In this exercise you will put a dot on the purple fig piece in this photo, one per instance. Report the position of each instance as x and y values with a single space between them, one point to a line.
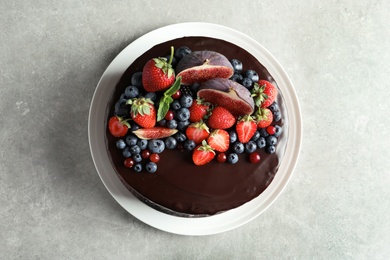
199 66
228 94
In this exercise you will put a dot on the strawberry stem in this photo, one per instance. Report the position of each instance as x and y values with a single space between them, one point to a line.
171 57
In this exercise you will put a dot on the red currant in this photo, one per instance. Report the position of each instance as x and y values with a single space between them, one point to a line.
154 157
271 130
145 154
177 94
170 115
129 162
221 157
254 157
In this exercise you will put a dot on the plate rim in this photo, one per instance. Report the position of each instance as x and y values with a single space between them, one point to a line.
224 221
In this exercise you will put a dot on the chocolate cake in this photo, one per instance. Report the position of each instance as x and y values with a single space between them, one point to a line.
181 188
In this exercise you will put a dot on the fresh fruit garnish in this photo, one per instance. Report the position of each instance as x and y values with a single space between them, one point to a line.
143 112
232 158
117 126
245 128
219 140
158 74
151 167
156 146
177 94
221 118
129 162
263 117
198 132
264 93
167 99
156 132
254 157
228 94
203 154
154 157
170 115
221 157
271 130
198 110
145 154
199 66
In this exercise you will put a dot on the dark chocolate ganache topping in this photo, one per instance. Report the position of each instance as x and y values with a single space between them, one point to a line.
181 188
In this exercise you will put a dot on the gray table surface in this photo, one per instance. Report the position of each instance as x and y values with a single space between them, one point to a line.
53 204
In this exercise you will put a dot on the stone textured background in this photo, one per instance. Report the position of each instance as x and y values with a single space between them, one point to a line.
52 202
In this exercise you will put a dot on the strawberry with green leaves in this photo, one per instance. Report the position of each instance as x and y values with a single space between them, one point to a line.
203 154
219 140
117 126
158 74
143 112
263 117
221 118
197 132
264 93
199 110
245 128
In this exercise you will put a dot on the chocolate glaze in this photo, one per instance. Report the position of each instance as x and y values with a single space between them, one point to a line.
181 188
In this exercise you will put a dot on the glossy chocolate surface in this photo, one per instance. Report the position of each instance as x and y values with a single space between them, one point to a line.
181 188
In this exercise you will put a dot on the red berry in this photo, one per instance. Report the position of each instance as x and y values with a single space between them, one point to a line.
271 130
129 162
170 115
254 157
145 154
154 157
117 126
177 94
221 157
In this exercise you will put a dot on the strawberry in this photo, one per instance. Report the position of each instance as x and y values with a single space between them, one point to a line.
203 154
158 74
197 132
143 112
264 93
221 118
219 140
263 117
117 126
198 110
245 128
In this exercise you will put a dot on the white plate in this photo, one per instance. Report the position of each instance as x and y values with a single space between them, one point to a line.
178 225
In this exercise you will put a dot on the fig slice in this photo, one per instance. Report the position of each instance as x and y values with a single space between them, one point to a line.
228 94
199 66
154 132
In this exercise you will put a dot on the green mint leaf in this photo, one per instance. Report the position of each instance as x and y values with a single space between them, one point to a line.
162 108
175 87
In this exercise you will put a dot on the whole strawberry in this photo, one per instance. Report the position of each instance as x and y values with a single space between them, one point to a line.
117 126
264 93
198 110
263 117
203 154
245 128
158 74
221 118
143 112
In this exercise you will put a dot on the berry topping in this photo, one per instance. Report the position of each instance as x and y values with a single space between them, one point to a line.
143 112
221 157
170 115
237 65
271 130
232 158
245 128
137 167
263 117
117 126
203 154
177 94
129 162
154 157
264 93
170 143
198 110
254 157
219 140
198 132
145 154
151 167
221 118
156 146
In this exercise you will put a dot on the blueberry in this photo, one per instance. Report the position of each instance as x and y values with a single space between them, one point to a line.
143 144
271 149
183 114
136 79
151 167
232 158
121 109
233 136
170 143
162 122
189 145
172 124
263 132
252 75
152 96
237 65
126 152
186 101
278 130
277 116
156 146
131 140
135 149
261 142
134 127
274 107
238 147
247 82
175 105
181 52
120 144
255 136
271 140
180 136
237 77
137 157
137 167
182 125
131 92
250 147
